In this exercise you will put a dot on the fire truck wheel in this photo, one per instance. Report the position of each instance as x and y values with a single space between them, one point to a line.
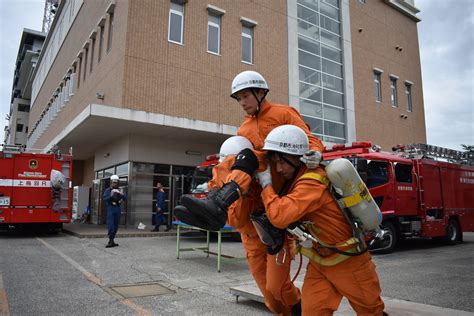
390 241
453 232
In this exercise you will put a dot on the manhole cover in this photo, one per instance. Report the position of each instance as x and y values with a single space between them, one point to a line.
139 290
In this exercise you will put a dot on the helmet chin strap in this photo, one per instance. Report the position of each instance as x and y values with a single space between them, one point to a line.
259 101
288 161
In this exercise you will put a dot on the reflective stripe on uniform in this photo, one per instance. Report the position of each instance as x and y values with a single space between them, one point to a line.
315 176
349 242
311 254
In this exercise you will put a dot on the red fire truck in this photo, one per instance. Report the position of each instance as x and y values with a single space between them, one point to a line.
202 175
27 194
422 190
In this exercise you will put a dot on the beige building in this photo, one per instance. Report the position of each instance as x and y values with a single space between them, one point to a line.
140 88
29 50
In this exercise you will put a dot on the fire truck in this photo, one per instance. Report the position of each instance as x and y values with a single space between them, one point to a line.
422 190
202 175
35 189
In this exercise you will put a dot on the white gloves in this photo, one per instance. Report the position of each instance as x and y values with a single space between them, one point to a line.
311 159
265 177
116 191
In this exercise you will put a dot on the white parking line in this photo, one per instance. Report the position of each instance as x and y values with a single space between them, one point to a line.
4 310
91 277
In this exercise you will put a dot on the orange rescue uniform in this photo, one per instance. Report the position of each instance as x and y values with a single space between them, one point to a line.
355 278
256 128
273 280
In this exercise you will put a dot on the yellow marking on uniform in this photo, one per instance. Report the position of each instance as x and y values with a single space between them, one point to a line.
4 309
94 279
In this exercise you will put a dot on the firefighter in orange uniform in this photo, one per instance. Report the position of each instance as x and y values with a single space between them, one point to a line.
249 88
273 280
329 275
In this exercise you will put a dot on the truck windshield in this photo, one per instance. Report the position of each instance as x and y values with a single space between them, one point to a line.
201 176
373 172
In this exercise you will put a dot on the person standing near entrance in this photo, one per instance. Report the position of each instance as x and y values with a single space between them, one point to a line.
113 198
160 218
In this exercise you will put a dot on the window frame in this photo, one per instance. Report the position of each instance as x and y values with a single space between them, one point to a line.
250 37
181 14
250 25
101 43
92 45
86 53
215 25
394 91
377 78
409 95
110 31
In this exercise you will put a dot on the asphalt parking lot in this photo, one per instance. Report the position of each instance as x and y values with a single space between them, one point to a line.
62 274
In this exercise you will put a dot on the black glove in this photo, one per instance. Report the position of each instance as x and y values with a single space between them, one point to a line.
246 161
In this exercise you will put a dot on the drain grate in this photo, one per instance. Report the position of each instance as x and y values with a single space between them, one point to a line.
140 290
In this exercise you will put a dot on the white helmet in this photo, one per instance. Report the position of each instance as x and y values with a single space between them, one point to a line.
287 139
233 145
114 178
248 79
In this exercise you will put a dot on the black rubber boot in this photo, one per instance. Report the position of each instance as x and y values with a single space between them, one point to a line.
213 208
187 217
110 244
114 243
296 309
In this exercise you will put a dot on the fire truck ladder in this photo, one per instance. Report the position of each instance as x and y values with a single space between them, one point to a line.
13 149
435 152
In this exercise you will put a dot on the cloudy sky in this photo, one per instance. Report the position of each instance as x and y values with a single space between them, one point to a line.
446 36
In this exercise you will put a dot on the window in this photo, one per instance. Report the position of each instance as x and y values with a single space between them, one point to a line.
247 44
393 89
213 33
92 52
23 107
101 42
374 173
85 62
403 173
409 97
176 21
378 85
79 65
19 127
111 31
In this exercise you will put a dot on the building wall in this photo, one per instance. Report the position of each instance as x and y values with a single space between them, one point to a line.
106 76
383 29
186 80
17 117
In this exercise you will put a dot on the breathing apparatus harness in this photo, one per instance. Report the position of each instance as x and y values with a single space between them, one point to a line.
306 230
270 235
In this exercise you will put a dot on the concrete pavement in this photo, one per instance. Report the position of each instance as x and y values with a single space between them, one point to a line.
393 306
85 230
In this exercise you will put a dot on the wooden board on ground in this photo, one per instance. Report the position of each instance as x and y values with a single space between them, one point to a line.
252 292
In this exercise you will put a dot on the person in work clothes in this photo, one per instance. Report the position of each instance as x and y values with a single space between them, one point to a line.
329 275
113 197
160 217
249 88
272 276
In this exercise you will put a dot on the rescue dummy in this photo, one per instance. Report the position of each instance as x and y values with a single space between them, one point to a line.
330 275
249 88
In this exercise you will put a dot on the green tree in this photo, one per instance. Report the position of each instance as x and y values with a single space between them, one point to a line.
468 148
